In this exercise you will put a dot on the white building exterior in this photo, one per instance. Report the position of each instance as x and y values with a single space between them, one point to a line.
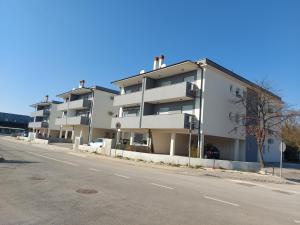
86 112
44 118
155 108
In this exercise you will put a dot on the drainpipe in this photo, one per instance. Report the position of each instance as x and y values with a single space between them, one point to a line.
91 116
200 113
142 103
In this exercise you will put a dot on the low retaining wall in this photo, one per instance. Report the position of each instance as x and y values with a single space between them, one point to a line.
176 160
39 141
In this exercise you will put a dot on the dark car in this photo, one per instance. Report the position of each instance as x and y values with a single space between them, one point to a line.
211 152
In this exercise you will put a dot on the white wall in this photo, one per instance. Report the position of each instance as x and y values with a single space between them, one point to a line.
161 142
103 104
53 115
217 105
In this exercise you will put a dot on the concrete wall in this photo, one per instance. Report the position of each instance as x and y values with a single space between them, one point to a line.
161 142
180 160
103 105
217 105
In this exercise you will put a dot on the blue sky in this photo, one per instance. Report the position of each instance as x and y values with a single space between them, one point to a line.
47 46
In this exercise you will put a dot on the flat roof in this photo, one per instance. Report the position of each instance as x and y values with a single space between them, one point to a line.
173 69
45 103
84 90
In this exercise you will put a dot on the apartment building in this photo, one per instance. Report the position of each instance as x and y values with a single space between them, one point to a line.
165 107
43 118
86 112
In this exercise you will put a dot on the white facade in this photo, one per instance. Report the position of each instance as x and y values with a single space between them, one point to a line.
218 116
86 113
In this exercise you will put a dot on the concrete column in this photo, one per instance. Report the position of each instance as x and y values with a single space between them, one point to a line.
60 133
236 149
172 144
48 133
72 135
66 134
201 148
131 138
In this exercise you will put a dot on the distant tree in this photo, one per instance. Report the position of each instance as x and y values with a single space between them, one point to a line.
261 114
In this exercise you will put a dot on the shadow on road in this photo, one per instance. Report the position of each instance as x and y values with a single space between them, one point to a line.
16 161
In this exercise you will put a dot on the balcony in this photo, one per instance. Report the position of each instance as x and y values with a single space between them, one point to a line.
126 122
72 120
166 121
40 113
77 104
37 125
130 99
171 93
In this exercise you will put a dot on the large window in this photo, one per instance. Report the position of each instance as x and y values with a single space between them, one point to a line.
189 109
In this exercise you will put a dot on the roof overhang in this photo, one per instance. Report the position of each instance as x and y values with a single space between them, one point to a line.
171 70
77 91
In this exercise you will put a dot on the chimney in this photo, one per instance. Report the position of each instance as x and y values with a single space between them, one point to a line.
46 98
81 83
155 63
161 61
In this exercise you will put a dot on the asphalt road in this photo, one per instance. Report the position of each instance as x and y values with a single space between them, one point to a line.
40 186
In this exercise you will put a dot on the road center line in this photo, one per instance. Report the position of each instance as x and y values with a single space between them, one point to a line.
57 160
219 200
297 221
92 169
162 186
120 175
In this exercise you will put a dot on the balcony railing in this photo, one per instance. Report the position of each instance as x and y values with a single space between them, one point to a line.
166 121
37 125
72 120
40 113
77 104
170 93
130 99
126 122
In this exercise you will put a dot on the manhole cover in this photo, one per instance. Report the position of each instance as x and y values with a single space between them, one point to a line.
283 192
86 191
246 184
36 178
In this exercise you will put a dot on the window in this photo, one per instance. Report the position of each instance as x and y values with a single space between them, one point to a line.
189 79
165 83
189 109
163 110
230 88
140 139
131 112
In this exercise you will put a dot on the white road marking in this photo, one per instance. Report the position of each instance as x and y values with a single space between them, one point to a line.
265 186
162 186
297 221
92 169
219 200
120 175
77 154
57 160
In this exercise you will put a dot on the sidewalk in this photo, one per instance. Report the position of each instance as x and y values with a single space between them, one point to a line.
207 172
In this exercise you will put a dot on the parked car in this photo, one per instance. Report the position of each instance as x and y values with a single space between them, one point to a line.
99 143
211 152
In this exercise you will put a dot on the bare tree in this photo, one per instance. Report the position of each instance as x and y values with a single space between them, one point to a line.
262 114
